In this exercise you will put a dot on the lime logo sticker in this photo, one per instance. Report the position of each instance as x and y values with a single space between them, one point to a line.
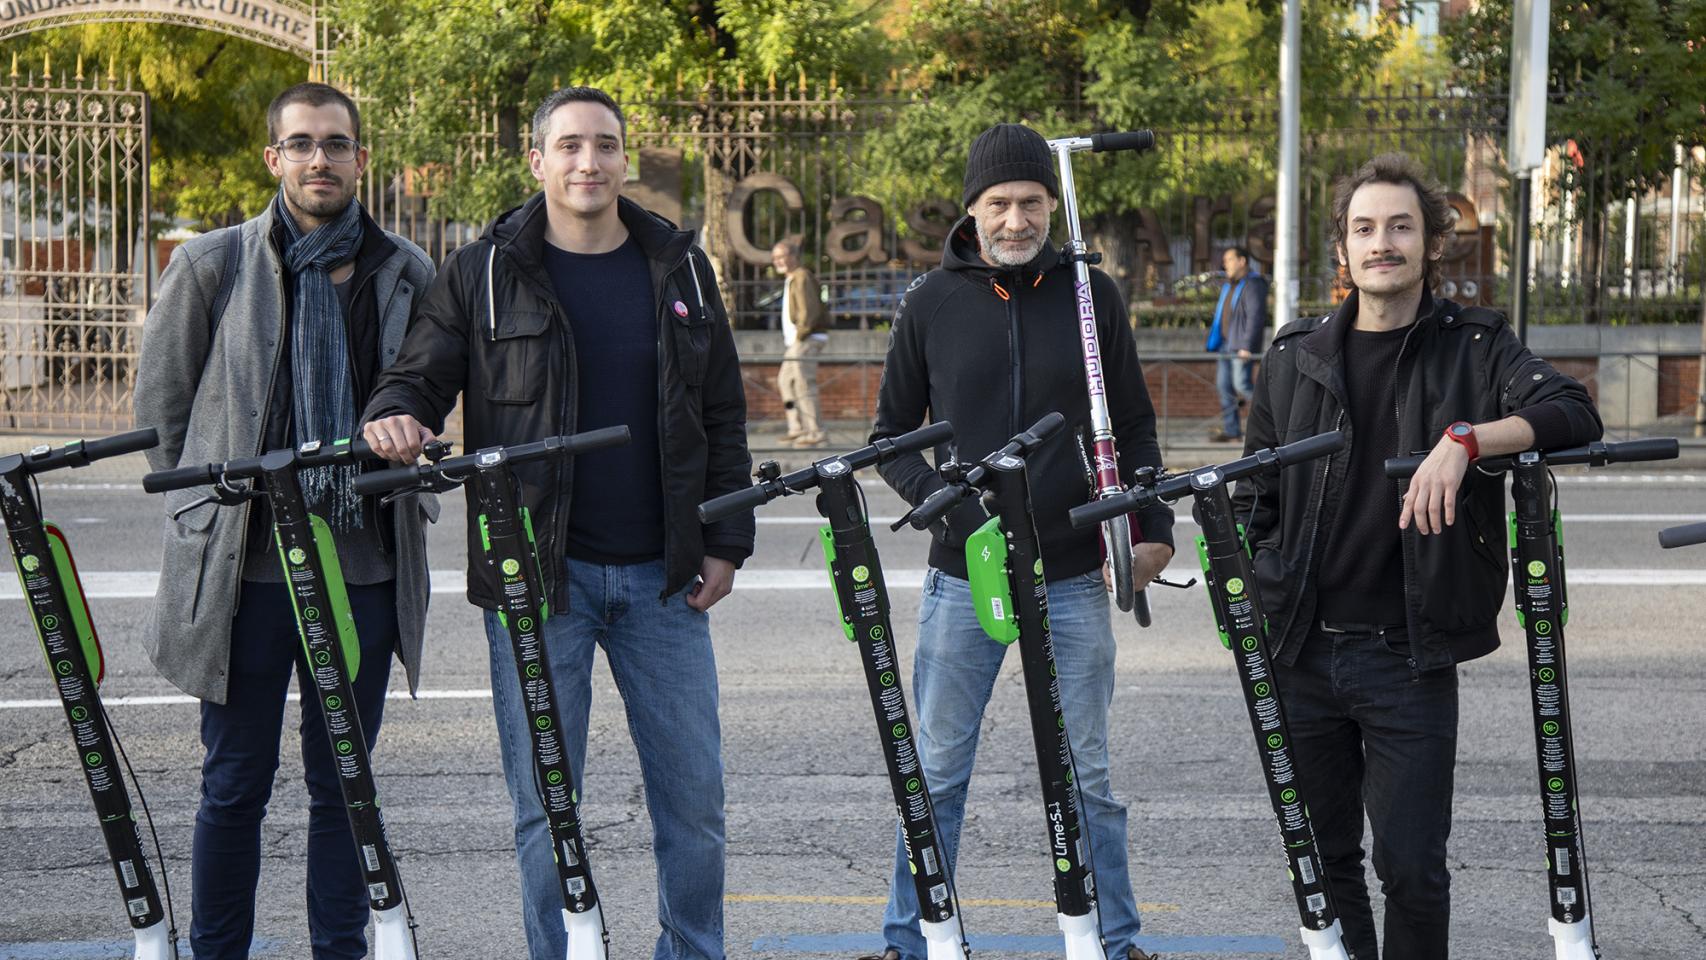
64 668
1543 627
524 624
887 678
877 632
1275 741
334 702
554 777
30 563
1536 568
861 573
298 556
913 867
1550 728
311 614
1288 795
899 730
1062 864
79 714
1235 586
1546 675
92 758
1555 784
1262 689
344 747
512 566
912 785
1249 643
1038 567
1060 721
543 723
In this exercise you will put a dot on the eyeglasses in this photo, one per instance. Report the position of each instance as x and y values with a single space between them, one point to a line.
302 149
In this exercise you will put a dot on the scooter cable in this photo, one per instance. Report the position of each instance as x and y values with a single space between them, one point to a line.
142 801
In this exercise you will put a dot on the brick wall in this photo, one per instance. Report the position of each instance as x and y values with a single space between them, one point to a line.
1679 379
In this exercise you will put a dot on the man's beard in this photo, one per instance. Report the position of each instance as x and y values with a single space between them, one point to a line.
319 206
1008 258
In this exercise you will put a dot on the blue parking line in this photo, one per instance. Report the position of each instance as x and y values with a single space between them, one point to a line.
105 949
844 943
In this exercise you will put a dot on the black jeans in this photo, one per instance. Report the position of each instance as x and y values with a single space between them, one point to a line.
242 741
1374 734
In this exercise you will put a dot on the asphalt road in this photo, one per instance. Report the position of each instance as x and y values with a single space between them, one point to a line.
809 819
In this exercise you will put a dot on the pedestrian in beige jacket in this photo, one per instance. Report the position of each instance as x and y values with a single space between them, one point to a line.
805 332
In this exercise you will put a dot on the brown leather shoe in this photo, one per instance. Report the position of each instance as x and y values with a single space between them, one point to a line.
1134 953
889 954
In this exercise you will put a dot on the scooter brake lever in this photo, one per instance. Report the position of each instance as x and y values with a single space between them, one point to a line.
1169 583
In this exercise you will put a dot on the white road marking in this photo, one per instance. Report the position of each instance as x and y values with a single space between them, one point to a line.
178 699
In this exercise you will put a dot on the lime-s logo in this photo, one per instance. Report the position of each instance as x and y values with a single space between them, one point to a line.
297 556
1536 568
511 567
1062 864
861 573
30 563
1235 586
1038 567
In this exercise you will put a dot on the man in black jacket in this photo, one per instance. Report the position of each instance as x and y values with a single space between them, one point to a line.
990 342
576 311
1374 590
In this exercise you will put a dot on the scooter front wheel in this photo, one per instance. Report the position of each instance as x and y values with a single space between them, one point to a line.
1116 535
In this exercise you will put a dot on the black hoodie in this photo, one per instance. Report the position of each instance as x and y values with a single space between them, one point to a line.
492 331
992 350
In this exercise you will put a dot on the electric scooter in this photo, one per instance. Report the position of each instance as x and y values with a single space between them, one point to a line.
1005 568
320 601
1117 530
68 639
512 558
862 601
1229 574
1536 540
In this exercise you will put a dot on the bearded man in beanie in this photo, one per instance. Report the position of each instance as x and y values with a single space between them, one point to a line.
989 341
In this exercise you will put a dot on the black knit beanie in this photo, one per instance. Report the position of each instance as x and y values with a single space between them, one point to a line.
1008 151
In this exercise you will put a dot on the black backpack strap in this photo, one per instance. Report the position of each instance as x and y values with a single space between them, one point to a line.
227 278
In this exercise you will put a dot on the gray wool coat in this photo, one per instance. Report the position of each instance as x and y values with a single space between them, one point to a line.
209 403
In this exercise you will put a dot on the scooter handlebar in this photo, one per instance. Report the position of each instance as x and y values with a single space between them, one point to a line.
179 478
381 481
729 504
1097 512
81 453
1596 454
1310 448
923 438
460 468
1686 535
1137 140
1646 448
937 505
1040 431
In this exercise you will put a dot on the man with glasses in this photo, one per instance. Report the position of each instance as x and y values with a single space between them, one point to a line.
266 335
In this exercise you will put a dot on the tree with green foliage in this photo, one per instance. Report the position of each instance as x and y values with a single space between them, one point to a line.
209 95
1626 81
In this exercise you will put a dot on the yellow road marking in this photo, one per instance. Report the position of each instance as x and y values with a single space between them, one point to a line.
881 901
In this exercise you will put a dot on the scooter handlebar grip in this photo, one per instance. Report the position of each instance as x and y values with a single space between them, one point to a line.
729 504
381 481
1044 428
179 478
1647 448
1399 468
1138 140
595 440
1686 535
120 444
1310 448
937 505
923 438
1099 511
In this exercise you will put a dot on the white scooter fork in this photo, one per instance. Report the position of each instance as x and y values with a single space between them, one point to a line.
1083 936
1572 941
155 942
1328 944
392 939
944 940
586 933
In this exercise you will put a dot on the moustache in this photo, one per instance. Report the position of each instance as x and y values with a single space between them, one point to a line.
1383 262
1014 237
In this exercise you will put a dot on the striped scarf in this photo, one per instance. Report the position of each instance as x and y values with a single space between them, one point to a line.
324 394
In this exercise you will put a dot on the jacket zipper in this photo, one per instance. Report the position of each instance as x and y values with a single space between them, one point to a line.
1014 348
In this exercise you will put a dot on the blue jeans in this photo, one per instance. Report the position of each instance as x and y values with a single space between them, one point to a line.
660 656
241 736
1232 382
1372 733
953 673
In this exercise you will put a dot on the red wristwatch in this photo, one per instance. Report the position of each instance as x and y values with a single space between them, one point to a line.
1464 432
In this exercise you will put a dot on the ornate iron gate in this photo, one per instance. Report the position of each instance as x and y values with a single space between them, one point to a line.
74 253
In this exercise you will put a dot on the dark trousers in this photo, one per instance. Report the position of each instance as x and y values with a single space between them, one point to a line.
242 741
1374 735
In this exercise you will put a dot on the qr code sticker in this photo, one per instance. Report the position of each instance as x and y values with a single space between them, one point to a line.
939 894
378 891
1566 896
1316 902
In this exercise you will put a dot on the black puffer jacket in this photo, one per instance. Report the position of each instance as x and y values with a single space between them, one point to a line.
507 348
1457 363
992 350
